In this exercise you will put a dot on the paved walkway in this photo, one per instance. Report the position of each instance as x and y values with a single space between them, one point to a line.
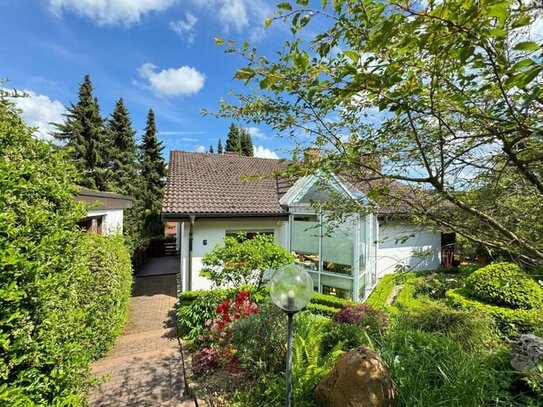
158 266
144 368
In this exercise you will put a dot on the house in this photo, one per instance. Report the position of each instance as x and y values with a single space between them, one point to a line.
211 196
107 211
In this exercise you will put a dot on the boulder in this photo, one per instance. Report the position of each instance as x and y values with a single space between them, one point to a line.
359 378
527 352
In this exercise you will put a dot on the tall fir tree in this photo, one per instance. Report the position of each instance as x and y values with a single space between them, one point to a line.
153 174
84 135
233 140
219 147
246 143
123 174
123 157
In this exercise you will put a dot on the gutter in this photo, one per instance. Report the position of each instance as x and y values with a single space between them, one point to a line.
189 216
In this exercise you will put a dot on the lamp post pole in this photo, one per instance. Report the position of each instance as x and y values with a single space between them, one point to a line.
289 359
291 289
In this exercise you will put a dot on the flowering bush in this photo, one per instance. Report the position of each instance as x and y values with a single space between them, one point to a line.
215 342
363 315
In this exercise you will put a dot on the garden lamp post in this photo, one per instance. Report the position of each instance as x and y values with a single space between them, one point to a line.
291 288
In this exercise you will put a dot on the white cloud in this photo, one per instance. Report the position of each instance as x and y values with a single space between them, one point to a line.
240 15
39 111
255 132
185 28
200 149
263 152
107 12
184 80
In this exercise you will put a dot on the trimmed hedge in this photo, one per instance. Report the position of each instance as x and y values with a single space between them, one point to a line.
55 314
510 322
330 301
382 291
505 284
196 307
104 291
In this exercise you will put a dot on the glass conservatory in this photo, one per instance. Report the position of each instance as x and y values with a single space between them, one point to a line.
340 255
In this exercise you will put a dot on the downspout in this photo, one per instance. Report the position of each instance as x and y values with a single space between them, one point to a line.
191 232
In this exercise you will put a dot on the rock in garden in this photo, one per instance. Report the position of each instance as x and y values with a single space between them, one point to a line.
359 378
527 352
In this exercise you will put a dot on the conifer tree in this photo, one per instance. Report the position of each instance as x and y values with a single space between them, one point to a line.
123 175
211 149
219 147
246 143
233 140
153 174
83 133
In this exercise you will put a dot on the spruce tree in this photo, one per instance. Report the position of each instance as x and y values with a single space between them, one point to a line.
211 149
233 140
123 165
246 143
153 174
219 147
83 133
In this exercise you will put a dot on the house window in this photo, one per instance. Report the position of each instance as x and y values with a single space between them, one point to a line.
92 224
249 234
332 251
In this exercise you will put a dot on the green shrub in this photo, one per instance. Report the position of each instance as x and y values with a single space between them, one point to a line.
505 284
309 366
330 301
470 329
259 340
344 337
323 310
382 291
240 261
510 322
49 332
435 285
104 290
433 370
196 307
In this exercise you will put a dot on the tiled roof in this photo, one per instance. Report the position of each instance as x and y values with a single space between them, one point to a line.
201 183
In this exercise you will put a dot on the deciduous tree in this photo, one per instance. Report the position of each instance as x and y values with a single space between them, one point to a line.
448 95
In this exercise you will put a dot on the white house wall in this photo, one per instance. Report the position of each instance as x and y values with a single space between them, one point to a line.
394 251
112 222
213 232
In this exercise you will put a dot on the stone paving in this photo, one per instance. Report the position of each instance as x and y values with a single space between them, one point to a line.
144 368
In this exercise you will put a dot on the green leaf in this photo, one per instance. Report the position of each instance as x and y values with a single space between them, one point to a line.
284 6
526 46
218 41
244 74
300 60
352 55
267 22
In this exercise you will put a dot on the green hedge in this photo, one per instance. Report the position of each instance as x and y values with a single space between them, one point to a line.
104 290
382 291
195 307
52 306
505 284
511 322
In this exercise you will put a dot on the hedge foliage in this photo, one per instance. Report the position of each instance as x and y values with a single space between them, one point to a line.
510 321
195 307
51 326
505 284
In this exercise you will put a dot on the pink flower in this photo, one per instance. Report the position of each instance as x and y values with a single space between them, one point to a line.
223 334
200 337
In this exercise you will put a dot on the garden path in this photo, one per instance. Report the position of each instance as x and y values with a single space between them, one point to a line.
145 368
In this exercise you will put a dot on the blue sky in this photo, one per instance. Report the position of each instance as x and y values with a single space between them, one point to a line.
156 54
